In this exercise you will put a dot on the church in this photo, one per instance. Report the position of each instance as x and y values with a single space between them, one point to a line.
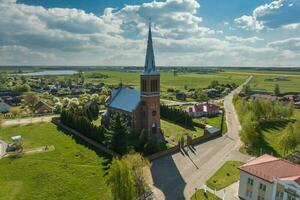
141 106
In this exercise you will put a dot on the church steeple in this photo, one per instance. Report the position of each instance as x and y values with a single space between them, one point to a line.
150 61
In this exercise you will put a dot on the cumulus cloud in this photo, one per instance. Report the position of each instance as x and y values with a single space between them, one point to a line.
276 14
291 44
36 35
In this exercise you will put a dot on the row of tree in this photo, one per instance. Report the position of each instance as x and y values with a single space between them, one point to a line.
253 113
83 125
176 115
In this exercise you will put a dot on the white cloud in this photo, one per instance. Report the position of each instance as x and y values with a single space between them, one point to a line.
291 44
35 35
276 14
234 38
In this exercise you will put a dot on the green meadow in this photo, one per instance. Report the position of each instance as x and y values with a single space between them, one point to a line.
168 80
71 171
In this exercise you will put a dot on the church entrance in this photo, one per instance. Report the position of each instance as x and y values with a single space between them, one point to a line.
154 128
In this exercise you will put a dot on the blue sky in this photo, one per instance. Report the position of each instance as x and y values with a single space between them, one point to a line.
186 32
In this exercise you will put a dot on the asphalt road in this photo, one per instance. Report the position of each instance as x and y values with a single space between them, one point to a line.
178 175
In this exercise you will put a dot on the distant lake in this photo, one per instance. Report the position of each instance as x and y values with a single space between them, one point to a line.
49 73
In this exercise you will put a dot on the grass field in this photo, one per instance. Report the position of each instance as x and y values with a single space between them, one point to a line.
60 174
201 195
259 81
225 176
168 80
175 131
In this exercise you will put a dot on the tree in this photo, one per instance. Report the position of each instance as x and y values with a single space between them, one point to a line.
58 107
246 89
121 180
200 95
213 84
290 139
276 90
30 99
139 166
249 133
118 133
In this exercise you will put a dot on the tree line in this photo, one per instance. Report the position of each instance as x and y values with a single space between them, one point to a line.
176 115
252 113
115 136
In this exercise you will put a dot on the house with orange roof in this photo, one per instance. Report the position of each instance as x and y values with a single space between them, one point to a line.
269 178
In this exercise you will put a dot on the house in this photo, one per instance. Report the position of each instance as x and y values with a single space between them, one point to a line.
142 107
181 96
12 100
4 107
203 110
269 178
42 108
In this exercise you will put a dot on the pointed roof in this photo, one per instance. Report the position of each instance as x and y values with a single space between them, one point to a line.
150 61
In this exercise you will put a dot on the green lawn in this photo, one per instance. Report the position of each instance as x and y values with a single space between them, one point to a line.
176 131
225 176
201 195
213 121
71 171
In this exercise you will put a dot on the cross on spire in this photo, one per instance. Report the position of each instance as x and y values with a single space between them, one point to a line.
150 61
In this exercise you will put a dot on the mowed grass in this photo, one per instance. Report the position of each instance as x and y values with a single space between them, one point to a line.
168 80
201 195
70 172
260 83
225 176
176 131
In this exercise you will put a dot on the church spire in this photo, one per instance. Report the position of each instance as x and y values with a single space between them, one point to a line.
149 62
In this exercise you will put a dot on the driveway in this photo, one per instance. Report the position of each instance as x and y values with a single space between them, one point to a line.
177 176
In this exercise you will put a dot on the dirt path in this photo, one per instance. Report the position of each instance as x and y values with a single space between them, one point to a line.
24 121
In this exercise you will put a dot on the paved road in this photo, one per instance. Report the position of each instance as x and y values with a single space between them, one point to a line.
176 176
24 121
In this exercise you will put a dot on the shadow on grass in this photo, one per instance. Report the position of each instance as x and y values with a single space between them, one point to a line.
191 128
80 141
262 146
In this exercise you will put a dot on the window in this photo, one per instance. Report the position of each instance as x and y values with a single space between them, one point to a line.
250 181
144 85
262 187
249 194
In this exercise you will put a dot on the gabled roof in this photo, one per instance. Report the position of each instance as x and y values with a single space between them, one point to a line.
270 168
4 108
125 99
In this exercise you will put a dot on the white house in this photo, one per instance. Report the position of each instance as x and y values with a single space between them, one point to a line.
269 178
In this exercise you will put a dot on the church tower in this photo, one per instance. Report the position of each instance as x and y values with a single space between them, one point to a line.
150 91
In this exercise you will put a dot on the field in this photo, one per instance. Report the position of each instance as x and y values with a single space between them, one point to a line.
168 80
225 176
266 80
60 174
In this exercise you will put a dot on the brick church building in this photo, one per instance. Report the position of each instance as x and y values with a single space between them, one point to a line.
141 107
